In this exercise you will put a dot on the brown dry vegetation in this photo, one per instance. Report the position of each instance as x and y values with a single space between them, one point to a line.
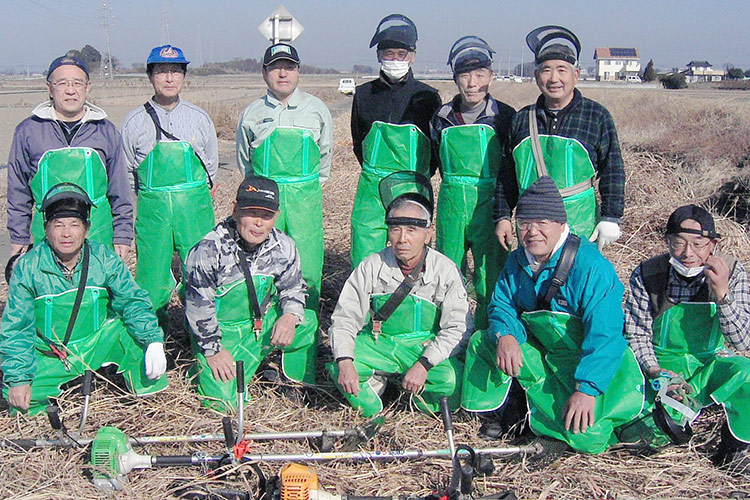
678 148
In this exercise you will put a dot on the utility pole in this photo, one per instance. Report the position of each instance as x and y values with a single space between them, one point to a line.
200 48
508 63
105 24
521 63
165 39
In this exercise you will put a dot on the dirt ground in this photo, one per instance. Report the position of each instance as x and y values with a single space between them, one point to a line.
656 182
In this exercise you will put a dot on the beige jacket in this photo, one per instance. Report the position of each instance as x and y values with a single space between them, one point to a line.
441 283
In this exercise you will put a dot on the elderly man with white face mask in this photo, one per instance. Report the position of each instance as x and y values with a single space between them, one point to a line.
683 310
390 129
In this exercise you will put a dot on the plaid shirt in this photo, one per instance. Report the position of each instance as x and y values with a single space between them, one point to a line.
734 313
591 124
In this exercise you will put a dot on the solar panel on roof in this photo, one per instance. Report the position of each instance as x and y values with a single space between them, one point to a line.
622 52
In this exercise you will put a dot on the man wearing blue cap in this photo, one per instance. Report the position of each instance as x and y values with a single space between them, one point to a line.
287 135
172 156
68 139
390 125
73 306
568 137
471 136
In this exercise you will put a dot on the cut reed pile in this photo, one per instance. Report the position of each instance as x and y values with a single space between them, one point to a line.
659 180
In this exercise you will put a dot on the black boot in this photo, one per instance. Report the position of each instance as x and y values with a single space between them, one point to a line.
733 454
508 420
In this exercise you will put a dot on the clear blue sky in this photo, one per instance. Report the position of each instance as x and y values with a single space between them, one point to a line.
337 33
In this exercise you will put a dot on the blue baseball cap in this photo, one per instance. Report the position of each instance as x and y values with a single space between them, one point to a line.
67 60
166 54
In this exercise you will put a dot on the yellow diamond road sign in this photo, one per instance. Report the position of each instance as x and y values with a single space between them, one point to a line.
280 26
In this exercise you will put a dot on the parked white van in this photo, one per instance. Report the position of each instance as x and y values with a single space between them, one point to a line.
347 86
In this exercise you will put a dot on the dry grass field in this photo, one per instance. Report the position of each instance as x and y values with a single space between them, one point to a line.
679 147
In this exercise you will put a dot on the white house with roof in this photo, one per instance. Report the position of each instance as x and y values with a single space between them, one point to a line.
702 71
616 63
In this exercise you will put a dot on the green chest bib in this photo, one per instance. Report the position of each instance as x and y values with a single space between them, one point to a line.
557 332
83 167
288 155
469 154
688 328
232 301
413 315
52 313
171 166
389 148
568 163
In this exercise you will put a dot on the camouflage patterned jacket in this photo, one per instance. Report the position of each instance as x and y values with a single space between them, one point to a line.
214 262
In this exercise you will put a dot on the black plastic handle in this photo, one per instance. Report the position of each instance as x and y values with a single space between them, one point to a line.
53 414
445 413
467 476
88 376
226 424
240 377
169 461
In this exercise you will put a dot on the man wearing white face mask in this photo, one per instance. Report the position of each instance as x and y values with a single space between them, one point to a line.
684 306
390 126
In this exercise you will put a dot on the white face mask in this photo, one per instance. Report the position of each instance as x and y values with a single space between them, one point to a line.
683 270
395 70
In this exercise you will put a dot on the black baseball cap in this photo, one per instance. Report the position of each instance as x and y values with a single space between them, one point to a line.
696 213
280 51
256 191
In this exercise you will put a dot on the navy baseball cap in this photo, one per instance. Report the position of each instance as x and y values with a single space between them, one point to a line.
699 215
67 60
167 54
395 31
280 51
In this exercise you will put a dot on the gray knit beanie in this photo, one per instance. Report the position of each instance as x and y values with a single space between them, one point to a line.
542 200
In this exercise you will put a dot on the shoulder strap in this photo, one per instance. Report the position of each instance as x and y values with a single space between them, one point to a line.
76 304
401 292
536 146
256 308
562 271
155 118
159 131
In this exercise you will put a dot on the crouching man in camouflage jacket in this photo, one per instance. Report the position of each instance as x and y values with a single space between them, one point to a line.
245 295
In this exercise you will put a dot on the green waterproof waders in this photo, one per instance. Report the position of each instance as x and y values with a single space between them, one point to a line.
387 148
470 156
291 157
688 341
175 211
80 166
569 164
96 340
400 344
550 358
240 339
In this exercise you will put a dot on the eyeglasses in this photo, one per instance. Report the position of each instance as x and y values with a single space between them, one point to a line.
63 84
162 73
679 245
541 225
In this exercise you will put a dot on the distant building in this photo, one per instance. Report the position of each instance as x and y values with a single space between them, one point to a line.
616 63
702 71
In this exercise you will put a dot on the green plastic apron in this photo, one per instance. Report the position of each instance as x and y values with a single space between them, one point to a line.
291 157
550 357
80 166
688 341
470 156
387 148
569 165
239 338
400 344
175 211
96 340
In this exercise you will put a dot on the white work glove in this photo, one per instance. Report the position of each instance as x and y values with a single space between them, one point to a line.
605 233
156 360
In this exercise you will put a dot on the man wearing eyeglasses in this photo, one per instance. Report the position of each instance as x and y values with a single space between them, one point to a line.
685 309
68 139
171 151
390 125
556 325
287 135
